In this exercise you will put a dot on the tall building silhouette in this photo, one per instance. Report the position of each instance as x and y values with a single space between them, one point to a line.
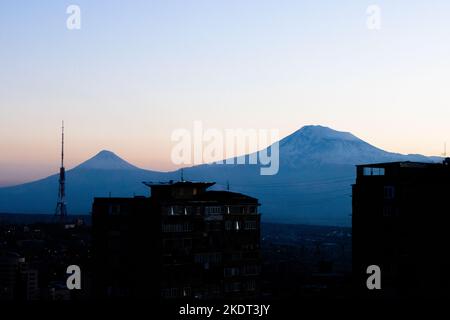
182 242
401 217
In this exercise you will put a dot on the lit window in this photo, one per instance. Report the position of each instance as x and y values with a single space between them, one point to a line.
368 171
213 210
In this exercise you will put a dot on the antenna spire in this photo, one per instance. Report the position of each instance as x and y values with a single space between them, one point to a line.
62 144
61 208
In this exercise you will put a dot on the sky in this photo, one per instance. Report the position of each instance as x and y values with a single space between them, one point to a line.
138 70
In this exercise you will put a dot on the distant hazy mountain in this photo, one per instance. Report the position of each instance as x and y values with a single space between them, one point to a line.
103 175
317 168
106 160
313 184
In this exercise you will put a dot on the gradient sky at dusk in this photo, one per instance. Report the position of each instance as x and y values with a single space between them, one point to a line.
137 70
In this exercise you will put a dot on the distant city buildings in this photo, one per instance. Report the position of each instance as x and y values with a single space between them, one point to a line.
401 218
182 242
17 280
34 258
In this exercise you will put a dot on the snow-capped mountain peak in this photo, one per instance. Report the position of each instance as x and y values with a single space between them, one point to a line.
312 134
321 132
318 144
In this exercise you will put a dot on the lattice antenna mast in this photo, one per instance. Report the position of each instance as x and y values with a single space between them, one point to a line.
62 145
61 207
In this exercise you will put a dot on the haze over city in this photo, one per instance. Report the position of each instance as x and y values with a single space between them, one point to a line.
133 74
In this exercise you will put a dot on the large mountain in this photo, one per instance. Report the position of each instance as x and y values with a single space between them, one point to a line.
313 184
327 146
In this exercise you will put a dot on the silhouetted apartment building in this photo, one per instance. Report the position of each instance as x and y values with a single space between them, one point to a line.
181 242
17 280
401 217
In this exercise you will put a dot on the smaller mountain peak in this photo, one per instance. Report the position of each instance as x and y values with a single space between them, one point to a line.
106 154
106 160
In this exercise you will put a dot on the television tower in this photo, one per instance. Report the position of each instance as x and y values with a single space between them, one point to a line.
61 208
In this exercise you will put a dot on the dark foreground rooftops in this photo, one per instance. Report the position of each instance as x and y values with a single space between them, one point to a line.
225 196
407 164
172 183
405 169
184 190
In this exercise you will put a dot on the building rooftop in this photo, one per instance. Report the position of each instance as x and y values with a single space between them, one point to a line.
182 191
179 184
406 164
224 196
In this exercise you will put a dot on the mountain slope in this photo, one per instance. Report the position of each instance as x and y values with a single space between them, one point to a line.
103 175
312 186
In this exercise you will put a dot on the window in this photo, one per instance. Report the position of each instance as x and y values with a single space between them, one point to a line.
236 256
250 225
389 192
114 209
213 226
231 271
251 270
233 287
368 171
387 211
251 285
186 291
178 210
208 258
178 227
172 292
213 210
233 225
